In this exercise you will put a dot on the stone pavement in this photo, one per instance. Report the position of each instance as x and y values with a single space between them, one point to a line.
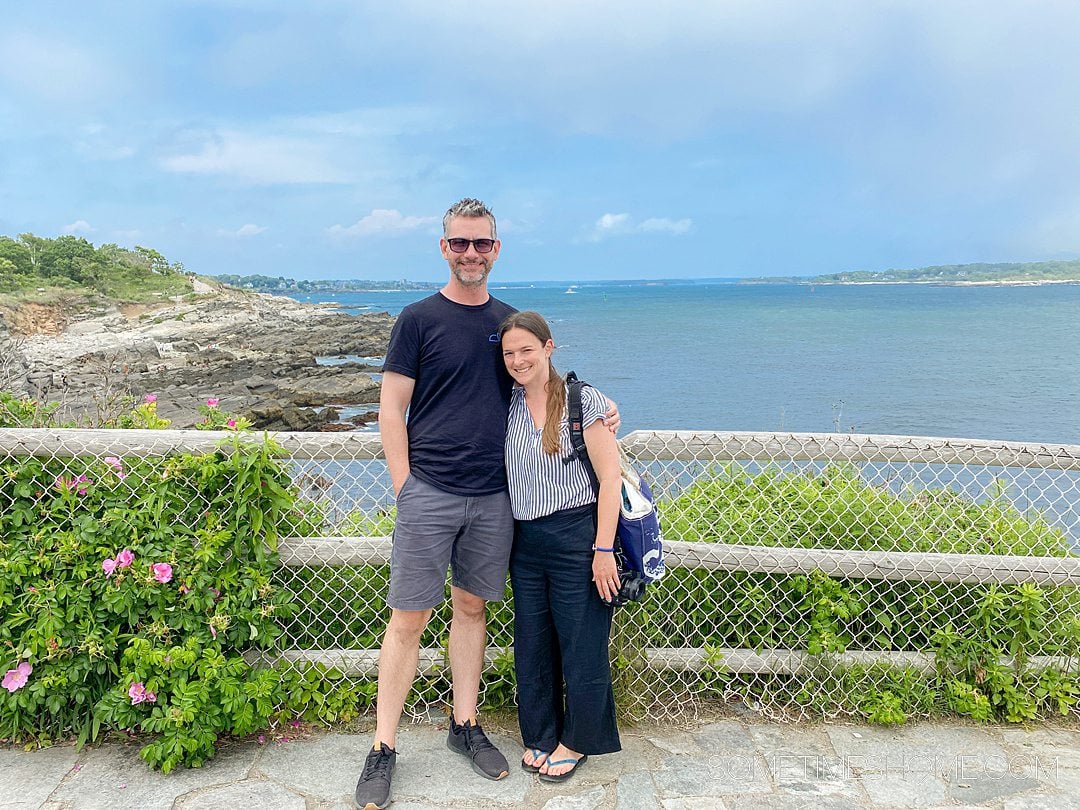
733 763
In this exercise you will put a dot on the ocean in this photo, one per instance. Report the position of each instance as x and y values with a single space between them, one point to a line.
922 360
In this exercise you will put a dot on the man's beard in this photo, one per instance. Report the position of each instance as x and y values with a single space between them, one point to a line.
482 267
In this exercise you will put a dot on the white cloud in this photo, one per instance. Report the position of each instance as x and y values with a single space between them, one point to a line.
243 231
79 226
610 225
98 142
260 159
383 222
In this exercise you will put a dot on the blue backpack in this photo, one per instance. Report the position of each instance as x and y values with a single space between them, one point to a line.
639 549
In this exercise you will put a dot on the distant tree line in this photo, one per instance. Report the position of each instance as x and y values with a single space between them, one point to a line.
1000 271
281 283
29 261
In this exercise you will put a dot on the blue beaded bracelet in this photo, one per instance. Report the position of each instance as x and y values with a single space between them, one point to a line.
601 548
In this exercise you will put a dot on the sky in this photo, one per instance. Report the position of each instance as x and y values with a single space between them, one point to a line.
629 139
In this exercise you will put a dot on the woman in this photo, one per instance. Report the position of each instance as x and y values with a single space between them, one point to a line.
562 565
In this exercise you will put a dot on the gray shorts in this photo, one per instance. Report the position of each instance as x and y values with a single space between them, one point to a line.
435 529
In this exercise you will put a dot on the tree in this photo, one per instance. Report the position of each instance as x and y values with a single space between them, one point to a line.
10 277
70 257
154 260
18 254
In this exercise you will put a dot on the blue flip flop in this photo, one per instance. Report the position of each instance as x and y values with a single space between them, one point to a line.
537 753
562 777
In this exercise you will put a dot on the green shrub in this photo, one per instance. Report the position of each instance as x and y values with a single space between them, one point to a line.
969 629
130 589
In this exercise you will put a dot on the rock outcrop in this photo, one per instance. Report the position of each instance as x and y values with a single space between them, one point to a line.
256 353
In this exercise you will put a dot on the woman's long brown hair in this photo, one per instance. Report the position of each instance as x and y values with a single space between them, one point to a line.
534 324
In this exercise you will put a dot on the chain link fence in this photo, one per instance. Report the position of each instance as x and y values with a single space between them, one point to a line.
808 574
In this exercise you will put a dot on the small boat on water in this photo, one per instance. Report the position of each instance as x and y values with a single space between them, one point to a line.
570 290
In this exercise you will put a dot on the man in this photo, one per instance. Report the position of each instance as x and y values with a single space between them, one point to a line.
444 366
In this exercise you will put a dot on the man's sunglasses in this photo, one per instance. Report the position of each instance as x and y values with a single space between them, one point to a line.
461 245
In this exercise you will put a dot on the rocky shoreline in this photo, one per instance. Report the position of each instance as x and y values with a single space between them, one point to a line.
255 353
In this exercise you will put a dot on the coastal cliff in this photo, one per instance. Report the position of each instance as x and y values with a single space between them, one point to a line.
254 352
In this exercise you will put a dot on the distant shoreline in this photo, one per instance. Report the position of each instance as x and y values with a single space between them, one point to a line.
951 283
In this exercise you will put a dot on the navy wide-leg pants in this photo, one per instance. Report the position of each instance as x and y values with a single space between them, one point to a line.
561 633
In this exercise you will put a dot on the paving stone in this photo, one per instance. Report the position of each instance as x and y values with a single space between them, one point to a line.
636 791
712 777
930 749
325 767
693 804
802 761
27 778
1061 745
893 767
589 800
725 737
679 742
1056 780
733 764
603 769
908 789
114 776
1056 801
791 802
426 770
248 793
981 788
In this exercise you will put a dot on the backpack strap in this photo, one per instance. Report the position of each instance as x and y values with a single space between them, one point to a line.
577 431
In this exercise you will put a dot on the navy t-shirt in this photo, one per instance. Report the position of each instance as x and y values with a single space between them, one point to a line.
457 415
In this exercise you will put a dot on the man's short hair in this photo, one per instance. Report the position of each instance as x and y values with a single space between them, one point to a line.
468 208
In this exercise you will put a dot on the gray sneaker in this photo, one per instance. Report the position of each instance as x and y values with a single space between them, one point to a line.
470 740
373 789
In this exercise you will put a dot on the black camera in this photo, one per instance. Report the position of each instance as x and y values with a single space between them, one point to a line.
631 585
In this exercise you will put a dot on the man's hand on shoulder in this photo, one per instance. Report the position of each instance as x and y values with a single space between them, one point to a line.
612 420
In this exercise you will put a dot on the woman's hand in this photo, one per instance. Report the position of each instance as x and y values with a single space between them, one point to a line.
605 574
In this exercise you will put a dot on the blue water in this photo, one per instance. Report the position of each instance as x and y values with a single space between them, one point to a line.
974 362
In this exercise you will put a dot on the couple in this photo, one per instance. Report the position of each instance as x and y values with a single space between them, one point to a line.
479 491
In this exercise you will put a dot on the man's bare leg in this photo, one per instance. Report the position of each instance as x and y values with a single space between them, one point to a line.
468 638
397 669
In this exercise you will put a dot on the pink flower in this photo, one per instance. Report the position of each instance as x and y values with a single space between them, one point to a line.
213 402
117 466
184 589
231 423
213 631
108 566
82 479
16 678
162 572
150 398
125 558
60 482
139 693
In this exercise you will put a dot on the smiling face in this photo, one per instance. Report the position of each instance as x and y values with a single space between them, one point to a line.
470 268
527 357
